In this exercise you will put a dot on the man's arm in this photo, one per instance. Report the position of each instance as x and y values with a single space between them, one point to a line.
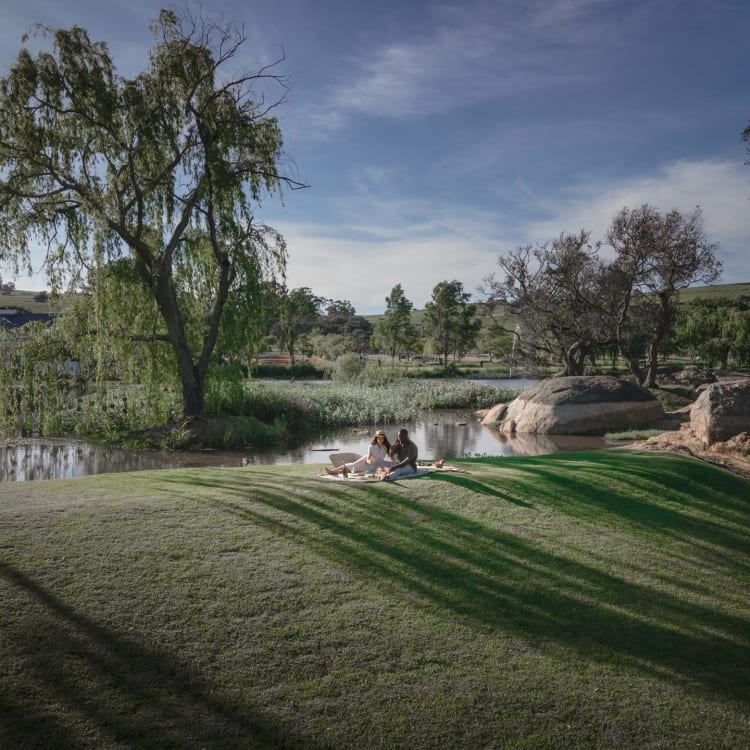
409 459
411 454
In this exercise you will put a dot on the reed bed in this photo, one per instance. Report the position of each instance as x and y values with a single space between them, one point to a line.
338 405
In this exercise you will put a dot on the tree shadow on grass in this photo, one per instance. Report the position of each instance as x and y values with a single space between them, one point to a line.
502 582
703 509
117 691
480 488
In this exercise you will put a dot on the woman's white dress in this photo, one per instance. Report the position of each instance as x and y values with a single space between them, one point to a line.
378 455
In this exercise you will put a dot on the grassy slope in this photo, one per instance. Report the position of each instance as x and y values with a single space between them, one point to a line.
24 300
731 291
596 600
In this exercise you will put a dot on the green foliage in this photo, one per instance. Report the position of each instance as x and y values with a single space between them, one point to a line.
307 407
149 182
299 309
347 369
716 329
35 388
449 320
395 333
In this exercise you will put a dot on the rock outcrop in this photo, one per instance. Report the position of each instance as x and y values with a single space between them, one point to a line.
721 411
577 406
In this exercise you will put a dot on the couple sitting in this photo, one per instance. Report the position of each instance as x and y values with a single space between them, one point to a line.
383 459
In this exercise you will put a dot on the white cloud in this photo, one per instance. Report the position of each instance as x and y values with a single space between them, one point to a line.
720 188
418 244
339 263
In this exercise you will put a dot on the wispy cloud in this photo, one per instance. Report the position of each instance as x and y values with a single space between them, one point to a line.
365 270
467 55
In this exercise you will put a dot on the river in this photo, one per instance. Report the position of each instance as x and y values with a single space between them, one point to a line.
439 434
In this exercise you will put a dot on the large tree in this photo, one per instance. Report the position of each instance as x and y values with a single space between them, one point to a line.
395 333
657 255
164 169
450 320
552 296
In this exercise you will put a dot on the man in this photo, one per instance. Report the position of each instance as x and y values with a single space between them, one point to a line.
404 455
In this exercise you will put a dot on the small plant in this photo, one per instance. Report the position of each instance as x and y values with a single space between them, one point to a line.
629 436
176 438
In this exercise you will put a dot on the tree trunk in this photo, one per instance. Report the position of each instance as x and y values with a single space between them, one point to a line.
633 365
191 378
653 362
573 360
193 394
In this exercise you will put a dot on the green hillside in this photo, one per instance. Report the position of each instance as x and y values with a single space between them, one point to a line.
30 301
26 300
715 290
732 291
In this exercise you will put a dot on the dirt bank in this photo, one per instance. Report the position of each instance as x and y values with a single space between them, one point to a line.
733 455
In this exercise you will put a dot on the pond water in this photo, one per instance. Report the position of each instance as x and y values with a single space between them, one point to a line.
439 434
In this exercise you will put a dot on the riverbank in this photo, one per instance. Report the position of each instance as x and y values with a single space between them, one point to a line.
579 600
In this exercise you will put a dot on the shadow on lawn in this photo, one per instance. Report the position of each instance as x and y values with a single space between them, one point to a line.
502 582
133 695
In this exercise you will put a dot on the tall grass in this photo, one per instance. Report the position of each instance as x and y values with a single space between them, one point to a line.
266 411
311 406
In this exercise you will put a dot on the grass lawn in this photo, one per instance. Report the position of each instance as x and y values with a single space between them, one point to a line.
595 600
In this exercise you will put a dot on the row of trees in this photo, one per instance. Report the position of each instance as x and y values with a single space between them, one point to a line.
298 320
564 298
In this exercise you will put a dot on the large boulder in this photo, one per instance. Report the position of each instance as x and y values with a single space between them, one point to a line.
721 411
579 406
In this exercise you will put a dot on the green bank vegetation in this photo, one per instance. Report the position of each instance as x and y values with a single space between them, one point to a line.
240 413
595 600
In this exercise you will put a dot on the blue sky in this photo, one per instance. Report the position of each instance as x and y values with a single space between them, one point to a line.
436 136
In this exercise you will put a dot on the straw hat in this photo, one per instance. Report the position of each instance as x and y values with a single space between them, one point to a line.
379 433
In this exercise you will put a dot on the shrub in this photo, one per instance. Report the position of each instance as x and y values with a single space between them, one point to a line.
348 368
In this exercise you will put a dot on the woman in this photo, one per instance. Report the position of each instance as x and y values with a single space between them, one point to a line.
376 458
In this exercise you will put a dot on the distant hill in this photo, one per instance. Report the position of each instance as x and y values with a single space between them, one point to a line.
33 302
732 291
715 290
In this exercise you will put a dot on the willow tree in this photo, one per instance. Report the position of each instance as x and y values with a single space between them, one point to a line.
97 168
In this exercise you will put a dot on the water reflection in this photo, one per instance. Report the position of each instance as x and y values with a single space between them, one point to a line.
440 435
26 460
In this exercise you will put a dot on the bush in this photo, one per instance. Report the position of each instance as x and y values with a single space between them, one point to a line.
348 368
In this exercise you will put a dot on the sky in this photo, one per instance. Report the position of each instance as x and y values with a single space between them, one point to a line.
436 137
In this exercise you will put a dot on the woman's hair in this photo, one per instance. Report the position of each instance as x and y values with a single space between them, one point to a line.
385 442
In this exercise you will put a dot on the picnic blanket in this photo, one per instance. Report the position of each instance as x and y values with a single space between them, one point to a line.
420 472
